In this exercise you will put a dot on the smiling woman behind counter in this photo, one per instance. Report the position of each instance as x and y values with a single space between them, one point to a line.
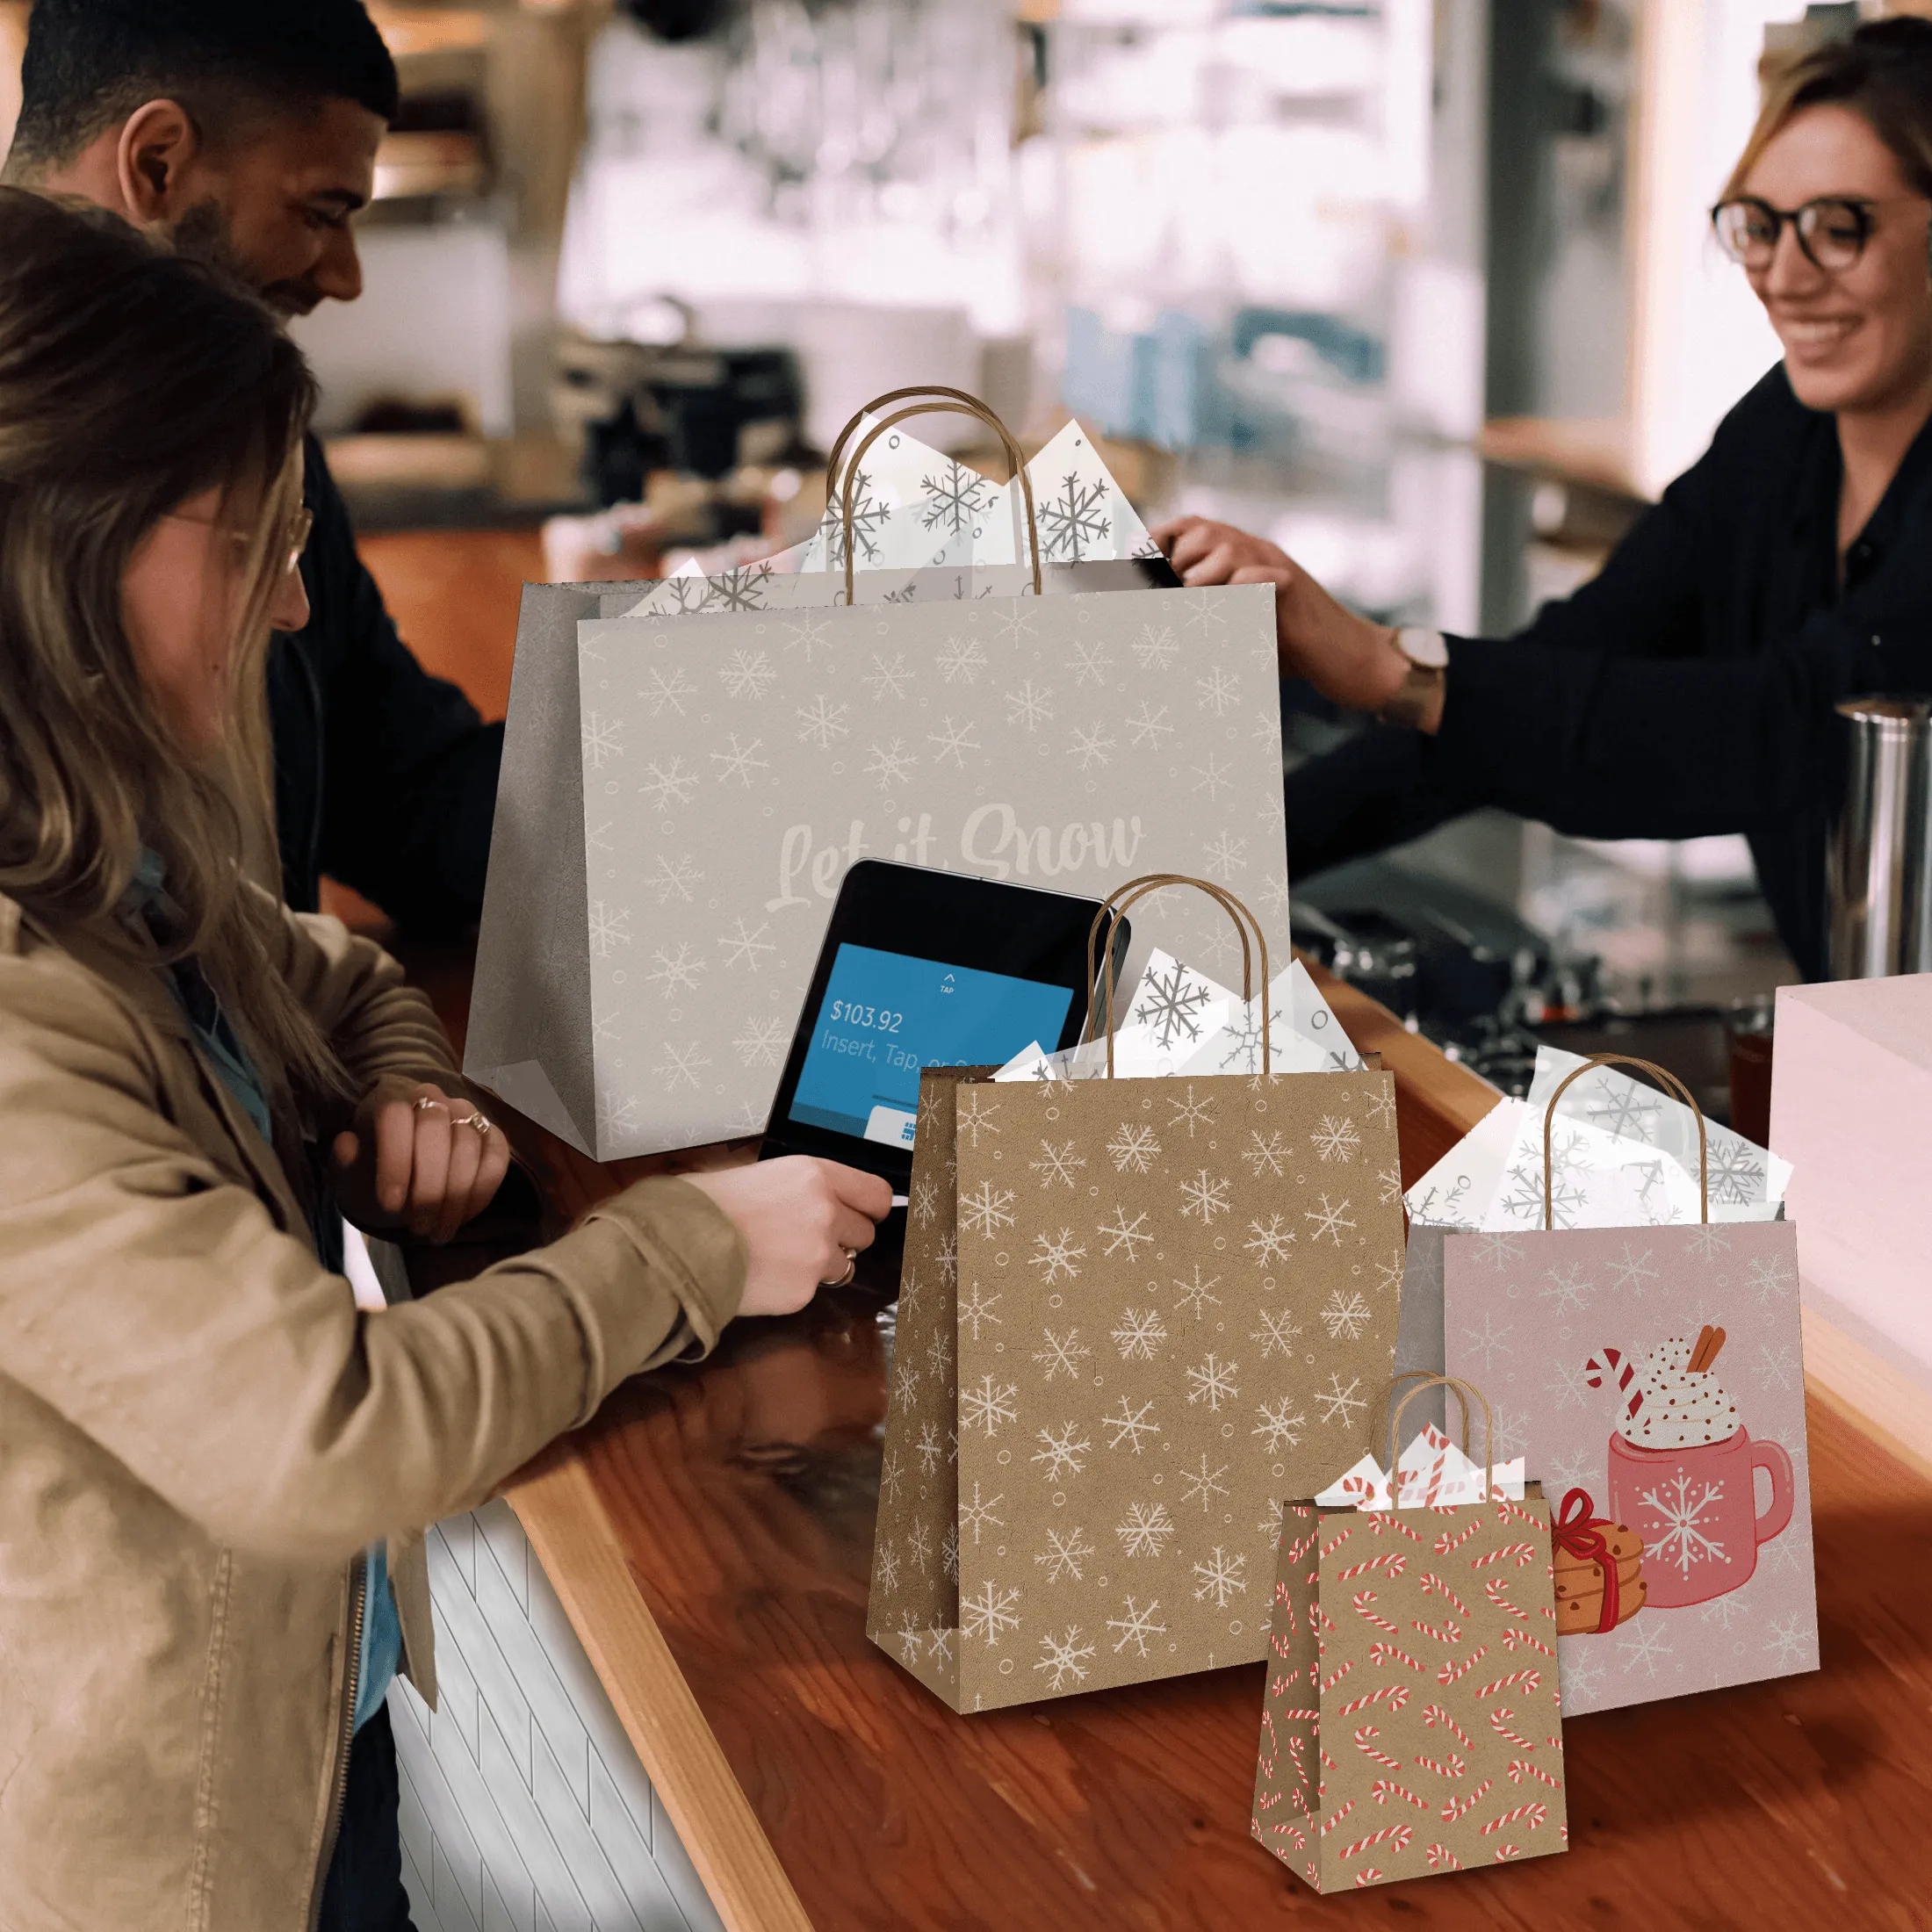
1690 688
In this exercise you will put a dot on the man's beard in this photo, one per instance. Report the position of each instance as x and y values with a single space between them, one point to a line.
204 234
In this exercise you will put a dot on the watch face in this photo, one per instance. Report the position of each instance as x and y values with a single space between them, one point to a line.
1428 648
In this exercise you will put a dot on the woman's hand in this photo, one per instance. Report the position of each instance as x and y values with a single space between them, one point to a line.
804 1221
1351 661
411 1162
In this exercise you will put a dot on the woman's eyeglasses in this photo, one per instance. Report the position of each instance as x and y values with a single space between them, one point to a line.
301 530
1832 230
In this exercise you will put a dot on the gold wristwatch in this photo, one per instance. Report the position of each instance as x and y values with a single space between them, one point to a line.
1421 691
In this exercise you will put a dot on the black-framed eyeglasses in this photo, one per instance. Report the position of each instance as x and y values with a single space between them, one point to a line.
1832 230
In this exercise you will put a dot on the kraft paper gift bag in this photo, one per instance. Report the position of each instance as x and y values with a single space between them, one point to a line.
1410 1724
1654 1380
1135 1315
681 798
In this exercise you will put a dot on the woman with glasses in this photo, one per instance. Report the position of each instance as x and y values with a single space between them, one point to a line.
214 1470
1690 688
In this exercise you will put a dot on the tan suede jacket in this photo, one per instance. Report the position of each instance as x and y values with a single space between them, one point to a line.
199 1435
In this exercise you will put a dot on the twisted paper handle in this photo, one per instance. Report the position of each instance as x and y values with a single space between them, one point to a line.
1670 1081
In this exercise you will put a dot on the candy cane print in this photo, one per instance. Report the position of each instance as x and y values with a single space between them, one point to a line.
1608 1366
1297 1750
1522 1768
1362 1599
1459 1668
1514 1639
1389 1521
1504 1852
1379 1652
1392 1560
1384 1788
1298 1549
1520 1553
1333 1820
1396 1835
1368 1875
1300 1717
1369 1751
1508 1507
1433 1585
1497 1589
1455 1807
1535 1814
1394 1695
1445 1542
1434 1714
1502 1730
1271 1748
1440 1855
1335 1677
1454 1767
1528 1679
1450 1633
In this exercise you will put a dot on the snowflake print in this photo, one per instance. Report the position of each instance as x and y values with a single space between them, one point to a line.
607 928
680 1067
948 1551
1064 1454
615 1116
1268 1156
1130 1425
1388 1185
1192 1112
1513 1433
1277 1334
1569 1386
664 786
742 588
927 1449
677 972
1136 1626
869 517
1144 1530
888 1569
918 1548
1582 1676
1576 1470
1708 1242
1622 1109
1335 1139
1280 1422
1204 1484
1065 1552
743 947
1219 692
1193 1297
1139 1334
948 1261
1778 1369
988 1210
673 879
976 1116
1122 1234
1496 1251
954 742
1685 1512
662 692
1157 649
1737 1175
961 660
1073 524
1489 1341
891 764
1789 1644
1225 856
1721 1610
987 1405
822 721
1029 706
910 1635
1271 1242
976 1307
1171 1005
1063 1355
953 498
1203 1198
1337 1401
763 1043
1134 1147
603 739
747 674
1329 1222
1773 1280
1091 748
1213 1383
1215 777
989 1613
740 761
939 1354
1091 665
1057 1165
1066 1657
1644 1645
1346 1318
1145 731
1567 1290
1221 1577
1274 898
1632 1271
1058 1256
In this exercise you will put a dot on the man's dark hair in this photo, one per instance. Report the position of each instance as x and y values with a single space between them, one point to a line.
91 63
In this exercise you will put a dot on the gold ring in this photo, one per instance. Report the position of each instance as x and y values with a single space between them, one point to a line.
852 1269
427 1101
478 1121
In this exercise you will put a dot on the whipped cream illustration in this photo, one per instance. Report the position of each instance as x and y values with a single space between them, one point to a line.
1682 1408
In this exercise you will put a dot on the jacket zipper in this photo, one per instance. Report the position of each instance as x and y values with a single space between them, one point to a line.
359 1590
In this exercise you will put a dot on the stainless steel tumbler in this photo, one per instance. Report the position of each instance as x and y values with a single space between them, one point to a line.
1880 866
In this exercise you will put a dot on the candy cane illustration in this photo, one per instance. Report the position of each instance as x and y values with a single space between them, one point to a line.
1368 1875
1454 1767
1271 1752
1335 1676
1519 1552
1440 1856
1502 1730
1394 1695
1455 1807
1447 1542
1300 1547
1528 1679
1396 1835
1522 1768
1392 1560
1497 1589
1379 1652
1508 1506
1514 1639
1384 1788
1459 1668
1434 1714
1433 1585
1300 1716
1450 1633
1369 1751
1362 1599
1506 1851
1534 1812
1334 1821
1609 1365
1389 1521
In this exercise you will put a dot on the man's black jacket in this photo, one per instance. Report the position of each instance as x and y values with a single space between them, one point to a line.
1689 689
384 776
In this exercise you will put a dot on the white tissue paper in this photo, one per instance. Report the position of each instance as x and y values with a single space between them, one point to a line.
1432 1471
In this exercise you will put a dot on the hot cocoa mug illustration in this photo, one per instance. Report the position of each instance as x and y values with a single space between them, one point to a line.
1684 1471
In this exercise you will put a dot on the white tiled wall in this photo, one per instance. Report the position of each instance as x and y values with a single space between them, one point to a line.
524 1808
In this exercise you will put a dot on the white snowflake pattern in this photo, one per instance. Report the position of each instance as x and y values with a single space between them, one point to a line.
1686 1509
1147 729
1489 1341
1062 1354
1773 1279
680 1067
1281 1422
1566 1290
1192 1112
988 1209
949 1259
1058 1164
1063 1454
884 680
1583 1673
910 1635
1788 1643
615 1117
1737 1176
743 946
886 1568
1157 648
948 1556
1058 1256
1135 1626
1224 856
607 928
1577 1469
741 587
763 1043
1139 1334
1496 1251
1130 1425
1271 1242
987 1404
1121 1233
1269 1155
664 693
1066 1657
740 761
1091 665
1193 1297
1277 1334
1777 1369
869 517
747 674
1204 1484
822 721
1219 692
1329 1222
1221 1577
1203 1198
1065 1552
1214 777
976 1310
954 742
1145 1529
927 1448
1708 1242
1622 1109
989 1613
954 498
1645 1645
676 972
1346 1317
1632 1271
1171 1005
1029 706
1337 1401
1213 1382
1134 1147
976 1116
673 879
1513 1433
961 660
1335 1139
1091 748
1074 523
891 765
666 785
918 1548
1569 1384
603 739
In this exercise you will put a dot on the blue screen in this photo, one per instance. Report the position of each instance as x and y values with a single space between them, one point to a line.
884 1016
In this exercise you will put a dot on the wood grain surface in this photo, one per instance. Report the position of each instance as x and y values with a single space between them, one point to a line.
738 1497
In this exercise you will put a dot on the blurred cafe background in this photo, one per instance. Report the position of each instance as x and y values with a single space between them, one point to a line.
1423 289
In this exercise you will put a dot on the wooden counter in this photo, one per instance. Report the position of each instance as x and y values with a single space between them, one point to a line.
710 1536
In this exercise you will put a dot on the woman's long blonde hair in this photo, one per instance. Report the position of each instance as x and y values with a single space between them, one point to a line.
132 380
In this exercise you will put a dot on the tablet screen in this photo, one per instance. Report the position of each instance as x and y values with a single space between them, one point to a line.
885 1015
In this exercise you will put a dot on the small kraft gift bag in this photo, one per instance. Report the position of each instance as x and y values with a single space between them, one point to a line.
1410 1724
1135 1315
